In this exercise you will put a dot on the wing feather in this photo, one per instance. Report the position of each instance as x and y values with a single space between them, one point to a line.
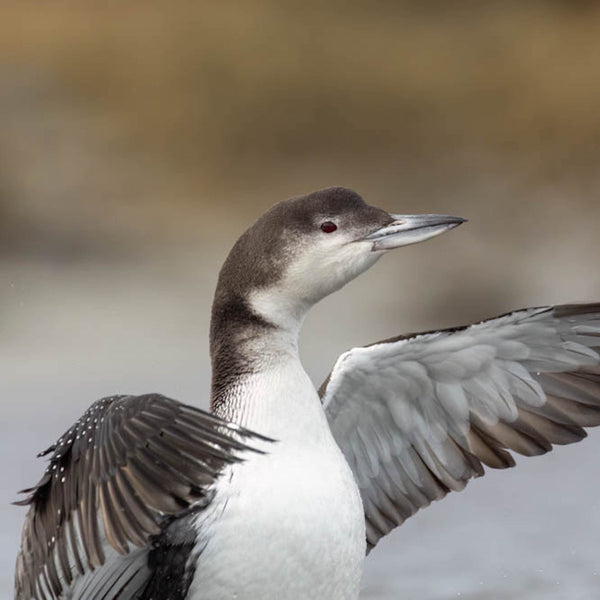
113 478
417 416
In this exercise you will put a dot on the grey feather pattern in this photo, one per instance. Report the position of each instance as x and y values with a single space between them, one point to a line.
417 416
113 478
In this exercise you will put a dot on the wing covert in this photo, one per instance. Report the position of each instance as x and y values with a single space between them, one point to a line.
418 416
126 464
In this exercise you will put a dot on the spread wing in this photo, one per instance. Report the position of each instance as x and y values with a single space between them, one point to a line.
418 416
113 480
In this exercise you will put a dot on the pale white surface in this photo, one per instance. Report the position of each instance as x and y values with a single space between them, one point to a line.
293 515
291 512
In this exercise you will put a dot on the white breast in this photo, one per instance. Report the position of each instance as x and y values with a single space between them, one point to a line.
288 524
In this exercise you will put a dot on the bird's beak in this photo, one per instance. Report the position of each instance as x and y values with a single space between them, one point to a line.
410 229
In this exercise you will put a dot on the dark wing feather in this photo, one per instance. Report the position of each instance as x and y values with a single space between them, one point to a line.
418 416
127 464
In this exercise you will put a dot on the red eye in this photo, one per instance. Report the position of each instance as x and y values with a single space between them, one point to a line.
328 227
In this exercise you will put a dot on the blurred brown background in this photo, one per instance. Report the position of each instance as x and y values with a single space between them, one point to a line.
137 141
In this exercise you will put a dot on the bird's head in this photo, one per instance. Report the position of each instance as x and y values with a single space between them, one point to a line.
305 248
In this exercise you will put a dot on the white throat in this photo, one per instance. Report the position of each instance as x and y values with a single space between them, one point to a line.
278 399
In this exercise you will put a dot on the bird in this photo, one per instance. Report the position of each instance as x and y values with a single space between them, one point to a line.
281 490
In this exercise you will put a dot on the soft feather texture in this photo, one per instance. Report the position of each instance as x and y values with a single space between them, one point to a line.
418 416
126 464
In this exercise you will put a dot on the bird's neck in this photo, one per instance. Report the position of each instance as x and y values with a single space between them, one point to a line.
258 380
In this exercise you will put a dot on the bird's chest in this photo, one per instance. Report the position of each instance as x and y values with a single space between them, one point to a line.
288 524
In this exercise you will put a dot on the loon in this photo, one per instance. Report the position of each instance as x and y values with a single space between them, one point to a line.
280 491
